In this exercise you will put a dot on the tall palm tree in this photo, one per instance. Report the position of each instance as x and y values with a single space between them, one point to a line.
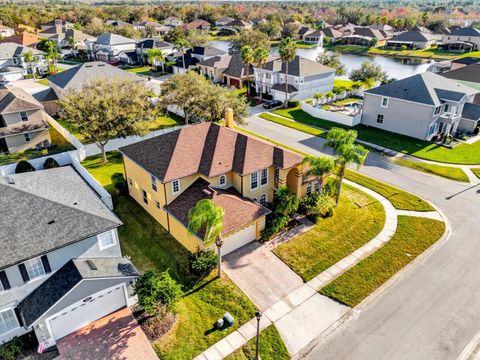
30 58
260 56
246 54
206 216
182 45
318 167
346 152
154 56
287 52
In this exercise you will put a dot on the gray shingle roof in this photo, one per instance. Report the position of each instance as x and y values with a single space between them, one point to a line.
281 87
207 51
9 50
45 210
471 111
467 31
40 300
412 36
300 66
426 88
470 73
75 78
236 68
113 39
13 99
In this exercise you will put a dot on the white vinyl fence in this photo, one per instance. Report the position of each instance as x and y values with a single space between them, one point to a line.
331 116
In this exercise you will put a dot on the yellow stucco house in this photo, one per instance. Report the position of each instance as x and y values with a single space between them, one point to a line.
169 173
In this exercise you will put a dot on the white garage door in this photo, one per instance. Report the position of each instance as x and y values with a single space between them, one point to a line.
238 239
84 312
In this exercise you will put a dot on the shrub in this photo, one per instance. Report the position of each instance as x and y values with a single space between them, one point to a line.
154 288
23 166
119 182
284 202
203 262
317 206
12 349
292 103
50 163
276 225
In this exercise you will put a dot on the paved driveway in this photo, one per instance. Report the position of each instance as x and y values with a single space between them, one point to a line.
115 336
263 277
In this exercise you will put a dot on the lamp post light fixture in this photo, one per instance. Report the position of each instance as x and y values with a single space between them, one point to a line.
219 243
258 315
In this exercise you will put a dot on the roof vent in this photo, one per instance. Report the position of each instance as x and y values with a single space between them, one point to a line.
11 181
75 203
91 265
51 222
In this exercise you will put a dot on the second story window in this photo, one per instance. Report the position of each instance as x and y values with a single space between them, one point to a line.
446 108
175 186
222 180
154 183
4 283
264 177
254 180
276 175
24 116
145 197
27 137
34 268
438 109
384 102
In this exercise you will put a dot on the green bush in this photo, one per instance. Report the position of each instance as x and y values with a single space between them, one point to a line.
292 103
155 289
50 163
203 262
119 182
273 227
11 350
23 166
317 206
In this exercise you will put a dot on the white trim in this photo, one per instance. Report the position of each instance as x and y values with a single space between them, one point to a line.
114 237
14 316
38 258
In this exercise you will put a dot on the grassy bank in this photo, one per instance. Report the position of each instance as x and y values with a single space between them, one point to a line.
448 172
292 124
476 172
357 220
414 235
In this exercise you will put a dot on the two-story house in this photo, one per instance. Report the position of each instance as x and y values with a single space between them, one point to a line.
305 78
192 57
226 69
140 55
61 265
168 174
422 106
13 65
107 46
23 122
461 39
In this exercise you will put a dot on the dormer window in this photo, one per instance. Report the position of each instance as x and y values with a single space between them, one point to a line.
175 186
222 180
384 102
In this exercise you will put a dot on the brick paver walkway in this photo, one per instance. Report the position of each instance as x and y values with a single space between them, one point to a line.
115 336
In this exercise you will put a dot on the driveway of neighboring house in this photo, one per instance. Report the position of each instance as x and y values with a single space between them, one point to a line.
115 336
262 276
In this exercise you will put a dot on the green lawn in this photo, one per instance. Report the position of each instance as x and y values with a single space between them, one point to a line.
152 248
305 45
59 144
142 70
292 124
43 81
343 83
414 235
400 199
476 171
271 347
448 172
357 220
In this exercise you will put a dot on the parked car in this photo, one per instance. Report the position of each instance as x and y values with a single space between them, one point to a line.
269 104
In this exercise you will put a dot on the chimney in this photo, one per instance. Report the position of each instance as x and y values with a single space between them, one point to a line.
229 118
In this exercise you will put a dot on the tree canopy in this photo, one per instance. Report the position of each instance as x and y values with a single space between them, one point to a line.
368 71
332 60
251 37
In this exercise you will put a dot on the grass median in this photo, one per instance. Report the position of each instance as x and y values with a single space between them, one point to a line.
447 172
292 124
414 235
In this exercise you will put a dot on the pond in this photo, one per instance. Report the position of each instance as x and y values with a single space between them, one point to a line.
396 68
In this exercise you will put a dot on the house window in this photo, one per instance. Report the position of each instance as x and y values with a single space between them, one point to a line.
263 200
253 180
276 175
145 197
34 268
24 115
379 119
264 177
176 186
222 180
384 102
106 240
317 186
8 321
309 188
157 204
154 183
437 110
446 108
431 129
27 137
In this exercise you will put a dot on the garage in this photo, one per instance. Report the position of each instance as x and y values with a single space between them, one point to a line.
239 239
89 309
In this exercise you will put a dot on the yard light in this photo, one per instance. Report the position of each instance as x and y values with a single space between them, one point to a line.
258 315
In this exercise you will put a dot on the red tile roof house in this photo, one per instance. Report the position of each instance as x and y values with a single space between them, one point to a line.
169 173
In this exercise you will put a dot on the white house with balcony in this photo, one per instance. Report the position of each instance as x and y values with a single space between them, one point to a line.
13 65
305 78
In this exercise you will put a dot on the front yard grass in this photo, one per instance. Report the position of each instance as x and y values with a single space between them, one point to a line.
357 220
414 235
292 124
271 347
447 172
345 83
142 70
400 199
476 171
151 247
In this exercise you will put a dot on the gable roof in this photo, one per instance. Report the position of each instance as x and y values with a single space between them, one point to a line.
236 68
76 77
426 88
196 24
368 32
209 149
470 73
108 38
45 296
153 43
13 99
466 60
117 23
239 211
300 66
328 32
239 23
46 210
466 31
10 50
24 39
207 51
412 36
220 62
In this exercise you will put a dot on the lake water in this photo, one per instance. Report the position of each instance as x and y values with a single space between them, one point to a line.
396 68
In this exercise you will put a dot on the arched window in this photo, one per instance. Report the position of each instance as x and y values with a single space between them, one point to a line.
263 200
222 181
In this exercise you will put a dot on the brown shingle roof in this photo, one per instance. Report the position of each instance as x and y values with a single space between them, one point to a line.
14 99
209 149
239 211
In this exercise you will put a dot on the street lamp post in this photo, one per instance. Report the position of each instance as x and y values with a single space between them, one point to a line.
219 243
258 315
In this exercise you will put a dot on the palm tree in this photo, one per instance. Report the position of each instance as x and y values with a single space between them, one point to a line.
318 97
30 58
260 56
206 216
246 54
154 56
73 45
182 45
287 52
284 202
318 167
346 152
